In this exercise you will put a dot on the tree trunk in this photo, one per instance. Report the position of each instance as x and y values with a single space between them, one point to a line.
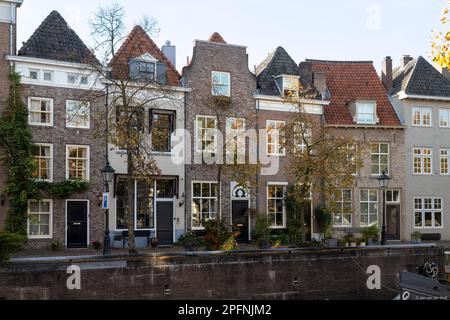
130 207
219 194
302 224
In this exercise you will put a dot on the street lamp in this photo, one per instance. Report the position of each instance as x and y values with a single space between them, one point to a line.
107 176
384 183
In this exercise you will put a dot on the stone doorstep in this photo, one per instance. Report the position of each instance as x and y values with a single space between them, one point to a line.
212 253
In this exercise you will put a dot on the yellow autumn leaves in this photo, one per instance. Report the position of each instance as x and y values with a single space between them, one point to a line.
440 43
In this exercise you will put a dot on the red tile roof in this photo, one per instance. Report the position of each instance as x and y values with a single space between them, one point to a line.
216 37
138 43
350 81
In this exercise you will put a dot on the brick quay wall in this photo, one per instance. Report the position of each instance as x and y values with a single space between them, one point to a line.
276 274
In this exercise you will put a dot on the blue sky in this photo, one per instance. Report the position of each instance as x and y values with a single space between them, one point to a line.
320 29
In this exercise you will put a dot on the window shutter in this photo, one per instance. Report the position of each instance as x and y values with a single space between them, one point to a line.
161 73
173 120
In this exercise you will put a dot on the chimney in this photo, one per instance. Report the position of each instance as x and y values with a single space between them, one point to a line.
306 71
170 52
386 73
405 60
446 73
319 80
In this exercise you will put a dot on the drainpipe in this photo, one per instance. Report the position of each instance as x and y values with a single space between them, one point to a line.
185 169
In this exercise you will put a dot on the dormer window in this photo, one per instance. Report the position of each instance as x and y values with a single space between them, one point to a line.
144 68
288 85
364 112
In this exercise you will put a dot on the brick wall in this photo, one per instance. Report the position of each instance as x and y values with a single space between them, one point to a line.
314 274
208 57
60 136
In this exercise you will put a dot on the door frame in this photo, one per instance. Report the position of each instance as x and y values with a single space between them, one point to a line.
395 203
249 207
171 200
87 218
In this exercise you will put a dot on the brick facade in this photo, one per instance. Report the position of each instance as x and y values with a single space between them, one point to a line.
214 56
60 136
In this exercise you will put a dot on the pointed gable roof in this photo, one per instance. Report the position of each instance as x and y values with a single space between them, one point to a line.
55 40
349 81
137 44
419 77
216 37
277 63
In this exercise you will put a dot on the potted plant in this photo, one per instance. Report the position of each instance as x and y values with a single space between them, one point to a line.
56 245
325 219
262 232
416 237
154 242
190 241
117 241
96 245
371 235
361 242
349 240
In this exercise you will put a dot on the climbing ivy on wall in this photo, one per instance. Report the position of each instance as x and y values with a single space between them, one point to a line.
15 139
17 155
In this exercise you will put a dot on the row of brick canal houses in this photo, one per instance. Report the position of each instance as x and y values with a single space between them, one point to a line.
404 117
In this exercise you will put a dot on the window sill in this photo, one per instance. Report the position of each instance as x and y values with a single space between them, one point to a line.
40 237
40 125
161 154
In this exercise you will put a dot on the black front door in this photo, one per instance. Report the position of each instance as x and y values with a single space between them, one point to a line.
164 218
240 219
77 215
393 222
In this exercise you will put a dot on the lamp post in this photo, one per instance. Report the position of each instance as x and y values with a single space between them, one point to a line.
108 176
384 183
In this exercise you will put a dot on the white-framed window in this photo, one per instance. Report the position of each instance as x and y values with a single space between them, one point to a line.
43 156
205 203
428 213
275 138
77 114
40 112
77 162
369 207
392 196
422 117
221 83
444 118
276 208
84 80
423 161
48 76
72 78
33 74
366 113
302 136
343 216
40 216
379 154
206 134
235 135
444 161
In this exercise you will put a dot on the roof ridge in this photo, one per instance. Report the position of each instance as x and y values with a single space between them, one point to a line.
340 61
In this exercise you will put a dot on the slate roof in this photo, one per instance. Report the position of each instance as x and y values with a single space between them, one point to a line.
354 80
55 40
419 77
277 63
135 45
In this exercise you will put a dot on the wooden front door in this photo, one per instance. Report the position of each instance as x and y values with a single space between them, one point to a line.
77 224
